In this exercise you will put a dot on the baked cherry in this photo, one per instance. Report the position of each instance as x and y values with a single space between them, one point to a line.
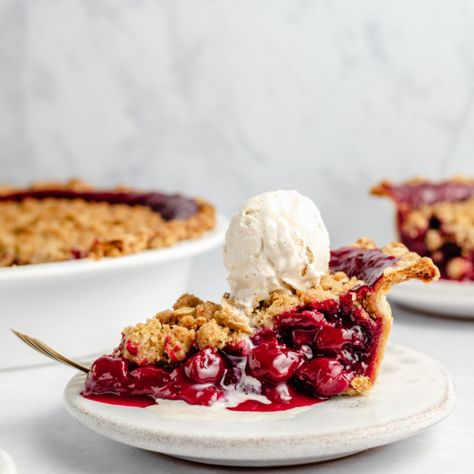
333 339
207 366
264 335
131 347
299 328
172 386
301 337
272 362
196 395
144 379
178 386
307 320
326 377
108 374
277 393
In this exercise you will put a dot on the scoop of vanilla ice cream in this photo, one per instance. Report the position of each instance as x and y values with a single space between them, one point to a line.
277 241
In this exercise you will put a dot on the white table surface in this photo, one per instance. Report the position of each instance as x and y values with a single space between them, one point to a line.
42 438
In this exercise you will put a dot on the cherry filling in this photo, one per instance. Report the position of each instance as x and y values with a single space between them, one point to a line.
364 264
170 206
417 195
312 352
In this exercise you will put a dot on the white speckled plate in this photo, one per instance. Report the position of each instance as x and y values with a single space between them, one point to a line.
7 466
446 298
414 392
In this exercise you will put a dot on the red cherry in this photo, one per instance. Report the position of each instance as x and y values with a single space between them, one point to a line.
325 376
332 339
326 306
300 337
277 393
207 366
306 320
173 385
108 375
272 363
179 387
300 327
200 395
144 379
131 347
264 335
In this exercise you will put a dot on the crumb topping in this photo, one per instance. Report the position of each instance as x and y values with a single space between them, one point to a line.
50 229
169 336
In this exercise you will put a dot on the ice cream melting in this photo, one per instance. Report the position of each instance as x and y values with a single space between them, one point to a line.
277 241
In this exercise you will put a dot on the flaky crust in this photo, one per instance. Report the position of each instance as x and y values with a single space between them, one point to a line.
51 230
382 189
409 266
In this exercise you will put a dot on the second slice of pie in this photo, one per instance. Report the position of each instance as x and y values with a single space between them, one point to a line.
436 219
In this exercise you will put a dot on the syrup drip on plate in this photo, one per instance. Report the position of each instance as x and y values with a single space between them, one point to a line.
143 401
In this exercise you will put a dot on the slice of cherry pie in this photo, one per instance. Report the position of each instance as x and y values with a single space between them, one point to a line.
436 220
50 222
324 341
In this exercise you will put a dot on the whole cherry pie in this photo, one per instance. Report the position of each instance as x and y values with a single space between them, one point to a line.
50 222
436 220
315 343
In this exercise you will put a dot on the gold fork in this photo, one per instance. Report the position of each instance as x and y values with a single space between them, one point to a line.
44 349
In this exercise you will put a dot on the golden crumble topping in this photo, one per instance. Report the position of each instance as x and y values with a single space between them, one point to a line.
56 229
169 336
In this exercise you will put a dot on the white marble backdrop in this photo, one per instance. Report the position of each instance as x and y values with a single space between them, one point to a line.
228 98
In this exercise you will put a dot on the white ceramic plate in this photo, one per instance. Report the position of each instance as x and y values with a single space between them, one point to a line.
413 393
447 298
7 466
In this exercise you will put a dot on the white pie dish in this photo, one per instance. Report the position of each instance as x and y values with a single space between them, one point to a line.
443 297
414 392
78 307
